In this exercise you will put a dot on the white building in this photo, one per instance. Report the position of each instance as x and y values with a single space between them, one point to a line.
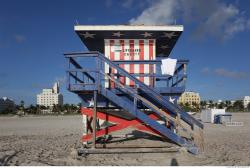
219 101
246 101
208 115
50 97
6 103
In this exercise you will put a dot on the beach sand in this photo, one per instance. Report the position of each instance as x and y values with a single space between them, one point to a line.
54 140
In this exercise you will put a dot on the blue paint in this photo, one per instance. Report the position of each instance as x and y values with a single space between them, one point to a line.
151 98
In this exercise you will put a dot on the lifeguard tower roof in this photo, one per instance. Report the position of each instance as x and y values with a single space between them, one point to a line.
165 36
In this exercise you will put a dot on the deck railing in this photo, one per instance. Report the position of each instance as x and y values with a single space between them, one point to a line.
84 77
94 77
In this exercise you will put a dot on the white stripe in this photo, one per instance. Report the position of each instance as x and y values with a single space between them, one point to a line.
136 56
146 57
154 55
106 67
117 54
152 67
126 66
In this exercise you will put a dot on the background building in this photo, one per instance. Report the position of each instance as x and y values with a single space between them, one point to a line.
191 98
50 97
246 101
6 104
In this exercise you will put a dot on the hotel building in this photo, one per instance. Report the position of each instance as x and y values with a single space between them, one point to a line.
50 97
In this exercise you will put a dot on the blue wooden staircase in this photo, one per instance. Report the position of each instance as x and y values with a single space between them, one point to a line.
86 77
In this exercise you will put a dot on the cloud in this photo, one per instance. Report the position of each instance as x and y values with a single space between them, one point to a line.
221 72
238 25
248 24
205 70
135 4
232 74
19 38
160 12
213 17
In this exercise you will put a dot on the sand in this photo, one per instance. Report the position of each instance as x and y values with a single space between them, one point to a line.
54 140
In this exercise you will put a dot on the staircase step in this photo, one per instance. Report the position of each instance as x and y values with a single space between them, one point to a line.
129 106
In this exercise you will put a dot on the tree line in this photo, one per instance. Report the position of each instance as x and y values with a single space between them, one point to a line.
20 109
237 106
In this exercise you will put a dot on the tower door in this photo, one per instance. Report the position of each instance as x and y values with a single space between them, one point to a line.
131 49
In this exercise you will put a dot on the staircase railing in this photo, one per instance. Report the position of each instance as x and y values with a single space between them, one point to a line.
177 80
154 96
94 79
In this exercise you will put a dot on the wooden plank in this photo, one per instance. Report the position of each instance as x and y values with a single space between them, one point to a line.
127 150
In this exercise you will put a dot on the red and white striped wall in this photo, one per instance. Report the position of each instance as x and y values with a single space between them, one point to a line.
131 49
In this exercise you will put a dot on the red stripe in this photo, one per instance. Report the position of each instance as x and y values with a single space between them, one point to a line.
141 66
131 52
151 67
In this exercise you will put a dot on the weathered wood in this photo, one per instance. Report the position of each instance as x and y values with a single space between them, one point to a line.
127 150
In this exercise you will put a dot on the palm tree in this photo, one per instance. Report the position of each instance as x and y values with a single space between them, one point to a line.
216 105
38 109
211 104
222 105
238 106
203 104
22 103
195 107
32 109
248 107
227 103
54 108
186 107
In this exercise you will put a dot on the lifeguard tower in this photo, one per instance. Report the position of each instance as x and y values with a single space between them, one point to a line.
120 82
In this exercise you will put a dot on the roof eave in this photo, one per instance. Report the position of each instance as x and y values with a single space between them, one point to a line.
128 28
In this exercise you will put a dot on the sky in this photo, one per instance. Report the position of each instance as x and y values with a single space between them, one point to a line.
35 34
